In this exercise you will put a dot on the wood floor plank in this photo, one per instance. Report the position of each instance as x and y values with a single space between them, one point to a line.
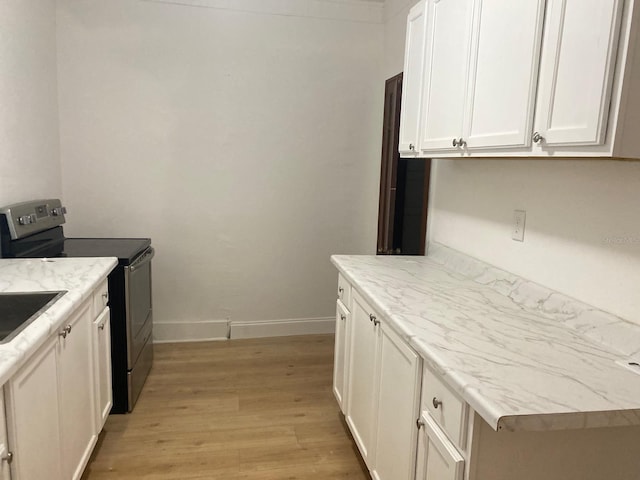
236 410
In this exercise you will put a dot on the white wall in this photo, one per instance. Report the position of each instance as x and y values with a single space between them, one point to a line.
583 218
582 233
29 153
395 28
245 143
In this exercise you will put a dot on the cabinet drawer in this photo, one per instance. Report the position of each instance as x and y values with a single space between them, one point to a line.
344 291
100 298
446 408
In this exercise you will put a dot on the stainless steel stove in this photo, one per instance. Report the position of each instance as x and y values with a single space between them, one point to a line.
34 230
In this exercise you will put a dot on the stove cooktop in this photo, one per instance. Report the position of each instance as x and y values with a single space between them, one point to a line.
126 249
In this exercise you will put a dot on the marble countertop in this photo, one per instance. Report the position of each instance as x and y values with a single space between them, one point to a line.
522 356
78 276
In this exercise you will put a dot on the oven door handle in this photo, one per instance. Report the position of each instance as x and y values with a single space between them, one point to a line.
142 259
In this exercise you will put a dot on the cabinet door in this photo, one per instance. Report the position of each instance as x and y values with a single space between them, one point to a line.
438 459
412 80
445 74
76 393
361 377
576 71
505 55
102 367
340 355
32 418
397 409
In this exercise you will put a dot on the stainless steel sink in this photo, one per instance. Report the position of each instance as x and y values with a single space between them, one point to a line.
19 309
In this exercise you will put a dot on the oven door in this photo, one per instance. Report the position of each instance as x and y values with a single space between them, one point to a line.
139 316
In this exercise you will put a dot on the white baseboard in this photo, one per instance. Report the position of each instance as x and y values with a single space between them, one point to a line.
282 328
190 331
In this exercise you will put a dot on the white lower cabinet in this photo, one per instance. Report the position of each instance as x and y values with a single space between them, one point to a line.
57 403
33 417
76 393
397 404
382 394
437 458
361 383
410 424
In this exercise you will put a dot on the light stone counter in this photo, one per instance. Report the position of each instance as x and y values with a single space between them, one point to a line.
79 276
522 356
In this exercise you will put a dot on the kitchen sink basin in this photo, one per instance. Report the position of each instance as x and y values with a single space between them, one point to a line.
19 309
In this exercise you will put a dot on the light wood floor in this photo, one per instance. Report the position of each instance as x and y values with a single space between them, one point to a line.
240 409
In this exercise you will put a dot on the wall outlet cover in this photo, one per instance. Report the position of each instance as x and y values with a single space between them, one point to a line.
519 217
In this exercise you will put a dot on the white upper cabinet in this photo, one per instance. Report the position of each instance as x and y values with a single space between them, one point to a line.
412 80
537 78
576 71
482 61
445 76
505 55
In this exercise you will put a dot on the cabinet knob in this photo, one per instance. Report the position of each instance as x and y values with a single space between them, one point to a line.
537 138
436 402
101 326
412 147
340 291
63 333
8 457
420 423
105 299
343 317
455 142
67 329
372 317
459 142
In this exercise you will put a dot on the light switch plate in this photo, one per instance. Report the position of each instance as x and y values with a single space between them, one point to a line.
519 217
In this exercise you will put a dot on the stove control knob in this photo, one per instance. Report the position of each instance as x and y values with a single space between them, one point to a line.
56 212
27 219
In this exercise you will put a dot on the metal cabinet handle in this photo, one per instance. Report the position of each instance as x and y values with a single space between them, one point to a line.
459 142
412 147
455 142
462 143
68 328
419 423
372 317
63 333
8 457
343 317
101 326
340 292
436 402
105 299
376 322
537 138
